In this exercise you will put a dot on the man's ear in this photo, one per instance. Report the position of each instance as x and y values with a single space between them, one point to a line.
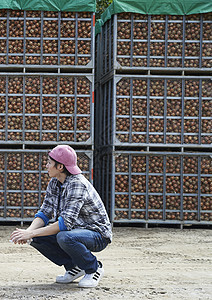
60 167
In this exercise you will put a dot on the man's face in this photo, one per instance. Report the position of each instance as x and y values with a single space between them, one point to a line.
52 170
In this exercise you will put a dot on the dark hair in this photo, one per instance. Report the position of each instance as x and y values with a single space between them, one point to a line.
64 168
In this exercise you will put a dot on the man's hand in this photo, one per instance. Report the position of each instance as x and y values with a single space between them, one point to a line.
21 236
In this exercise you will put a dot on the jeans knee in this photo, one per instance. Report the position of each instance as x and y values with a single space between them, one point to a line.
64 237
60 237
35 239
38 239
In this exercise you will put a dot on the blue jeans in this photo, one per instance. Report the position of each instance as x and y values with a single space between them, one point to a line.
72 248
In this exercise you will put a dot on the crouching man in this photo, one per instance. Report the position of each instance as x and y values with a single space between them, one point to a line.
81 222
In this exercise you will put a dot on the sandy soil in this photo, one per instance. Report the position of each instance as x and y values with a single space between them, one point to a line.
154 263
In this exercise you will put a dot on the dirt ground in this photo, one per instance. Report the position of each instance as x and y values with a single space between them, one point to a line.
155 263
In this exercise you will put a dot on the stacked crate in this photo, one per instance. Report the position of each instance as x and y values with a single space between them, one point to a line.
24 180
157 42
47 98
154 134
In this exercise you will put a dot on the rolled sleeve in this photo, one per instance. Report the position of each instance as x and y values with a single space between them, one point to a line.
41 215
62 225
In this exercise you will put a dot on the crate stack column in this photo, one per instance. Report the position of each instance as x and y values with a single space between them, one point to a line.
47 98
154 143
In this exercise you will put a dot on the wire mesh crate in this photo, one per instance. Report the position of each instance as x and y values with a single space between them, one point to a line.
157 187
147 110
46 108
135 41
24 180
35 38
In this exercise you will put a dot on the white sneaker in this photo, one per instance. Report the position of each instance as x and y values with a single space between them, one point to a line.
70 275
92 280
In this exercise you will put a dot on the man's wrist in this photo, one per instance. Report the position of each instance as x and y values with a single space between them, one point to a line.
32 234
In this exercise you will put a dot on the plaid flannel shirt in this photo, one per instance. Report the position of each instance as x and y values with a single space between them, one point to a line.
78 203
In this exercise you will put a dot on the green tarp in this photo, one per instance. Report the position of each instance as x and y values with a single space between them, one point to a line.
49 5
98 26
156 7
